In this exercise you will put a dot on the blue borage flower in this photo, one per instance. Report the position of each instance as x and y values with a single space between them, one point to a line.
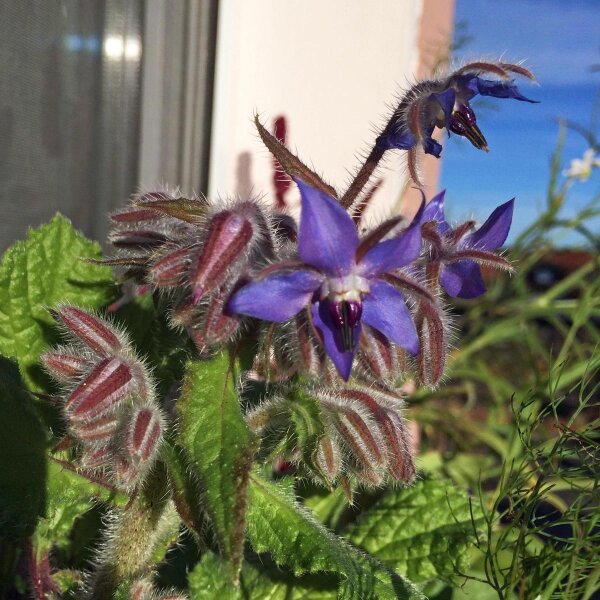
444 103
340 278
456 254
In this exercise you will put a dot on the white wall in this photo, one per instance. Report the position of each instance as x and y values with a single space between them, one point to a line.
329 66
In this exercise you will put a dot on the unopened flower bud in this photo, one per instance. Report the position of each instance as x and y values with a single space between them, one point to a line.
96 457
361 436
328 458
93 331
64 365
143 434
229 237
98 430
169 270
380 358
107 385
214 326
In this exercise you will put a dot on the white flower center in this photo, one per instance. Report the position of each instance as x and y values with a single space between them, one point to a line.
349 288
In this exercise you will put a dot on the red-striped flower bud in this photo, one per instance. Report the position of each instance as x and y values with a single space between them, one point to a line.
380 358
214 326
142 590
328 458
102 391
143 433
99 430
97 457
385 408
91 330
64 365
141 436
229 238
361 436
169 270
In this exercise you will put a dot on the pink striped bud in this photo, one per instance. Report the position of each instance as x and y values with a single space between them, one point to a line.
214 327
99 430
380 358
169 270
64 365
385 408
328 458
93 331
360 435
432 341
184 314
142 590
143 434
101 392
96 457
310 355
229 236
125 473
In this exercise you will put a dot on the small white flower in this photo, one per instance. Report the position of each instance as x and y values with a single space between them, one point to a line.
581 168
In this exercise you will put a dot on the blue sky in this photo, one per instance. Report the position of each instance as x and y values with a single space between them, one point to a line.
559 41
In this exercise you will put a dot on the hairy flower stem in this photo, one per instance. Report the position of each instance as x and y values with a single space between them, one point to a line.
132 537
362 177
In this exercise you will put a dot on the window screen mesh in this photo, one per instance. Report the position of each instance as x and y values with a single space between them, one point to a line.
69 111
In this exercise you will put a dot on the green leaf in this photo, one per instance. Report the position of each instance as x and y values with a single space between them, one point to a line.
424 531
38 273
221 449
69 496
277 524
23 442
208 580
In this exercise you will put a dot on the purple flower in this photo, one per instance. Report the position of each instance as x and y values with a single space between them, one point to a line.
457 253
444 103
341 279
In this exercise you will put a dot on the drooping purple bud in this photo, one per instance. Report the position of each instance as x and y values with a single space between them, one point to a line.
101 392
463 122
64 365
229 236
93 331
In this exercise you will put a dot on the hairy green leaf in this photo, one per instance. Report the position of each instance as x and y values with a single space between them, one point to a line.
208 580
277 524
23 442
70 495
221 449
424 531
38 273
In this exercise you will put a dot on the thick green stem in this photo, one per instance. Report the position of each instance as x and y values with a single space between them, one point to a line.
132 537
